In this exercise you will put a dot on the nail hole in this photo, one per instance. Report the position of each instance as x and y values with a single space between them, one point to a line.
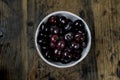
30 23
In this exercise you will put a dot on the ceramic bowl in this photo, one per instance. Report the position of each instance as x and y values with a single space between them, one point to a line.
84 53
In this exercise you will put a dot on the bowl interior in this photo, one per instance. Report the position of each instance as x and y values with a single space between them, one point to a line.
73 17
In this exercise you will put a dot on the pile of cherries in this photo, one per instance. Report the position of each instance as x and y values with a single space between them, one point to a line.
62 40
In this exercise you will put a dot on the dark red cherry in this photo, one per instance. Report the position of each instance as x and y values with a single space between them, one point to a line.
67 49
42 39
44 48
52 45
46 29
54 30
53 20
47 52
42 27
61 31
78 24
68 36
41 42
66 57
83 31
75 45
76 55
79 37
61 44
69 25
62 21
56 55
47 55
83 45
86 39
80 31
42 35
54 38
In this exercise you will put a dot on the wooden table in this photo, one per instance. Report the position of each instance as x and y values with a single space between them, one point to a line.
19 59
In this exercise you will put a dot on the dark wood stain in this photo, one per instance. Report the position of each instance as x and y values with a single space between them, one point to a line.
119 63
97 53
6 1
82 14
30 23
102 76
51 79
118 72
97 1
84 72
104 12
4 47
112 74
113 10
90 19
3 74
112 58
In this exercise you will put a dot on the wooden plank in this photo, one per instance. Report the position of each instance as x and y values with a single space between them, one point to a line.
87 70
107 37
24 49
13 43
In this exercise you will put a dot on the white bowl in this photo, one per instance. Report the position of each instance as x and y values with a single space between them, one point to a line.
84 53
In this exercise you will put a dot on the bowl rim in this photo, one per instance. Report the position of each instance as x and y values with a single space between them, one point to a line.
85 51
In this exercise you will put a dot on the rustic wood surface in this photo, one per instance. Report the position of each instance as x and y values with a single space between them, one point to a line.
19 59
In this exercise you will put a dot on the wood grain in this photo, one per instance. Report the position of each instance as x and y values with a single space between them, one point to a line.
19 59
11 63
107 38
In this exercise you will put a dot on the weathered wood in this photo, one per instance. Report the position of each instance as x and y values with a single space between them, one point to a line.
13 44
82 70
19 59
107 37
